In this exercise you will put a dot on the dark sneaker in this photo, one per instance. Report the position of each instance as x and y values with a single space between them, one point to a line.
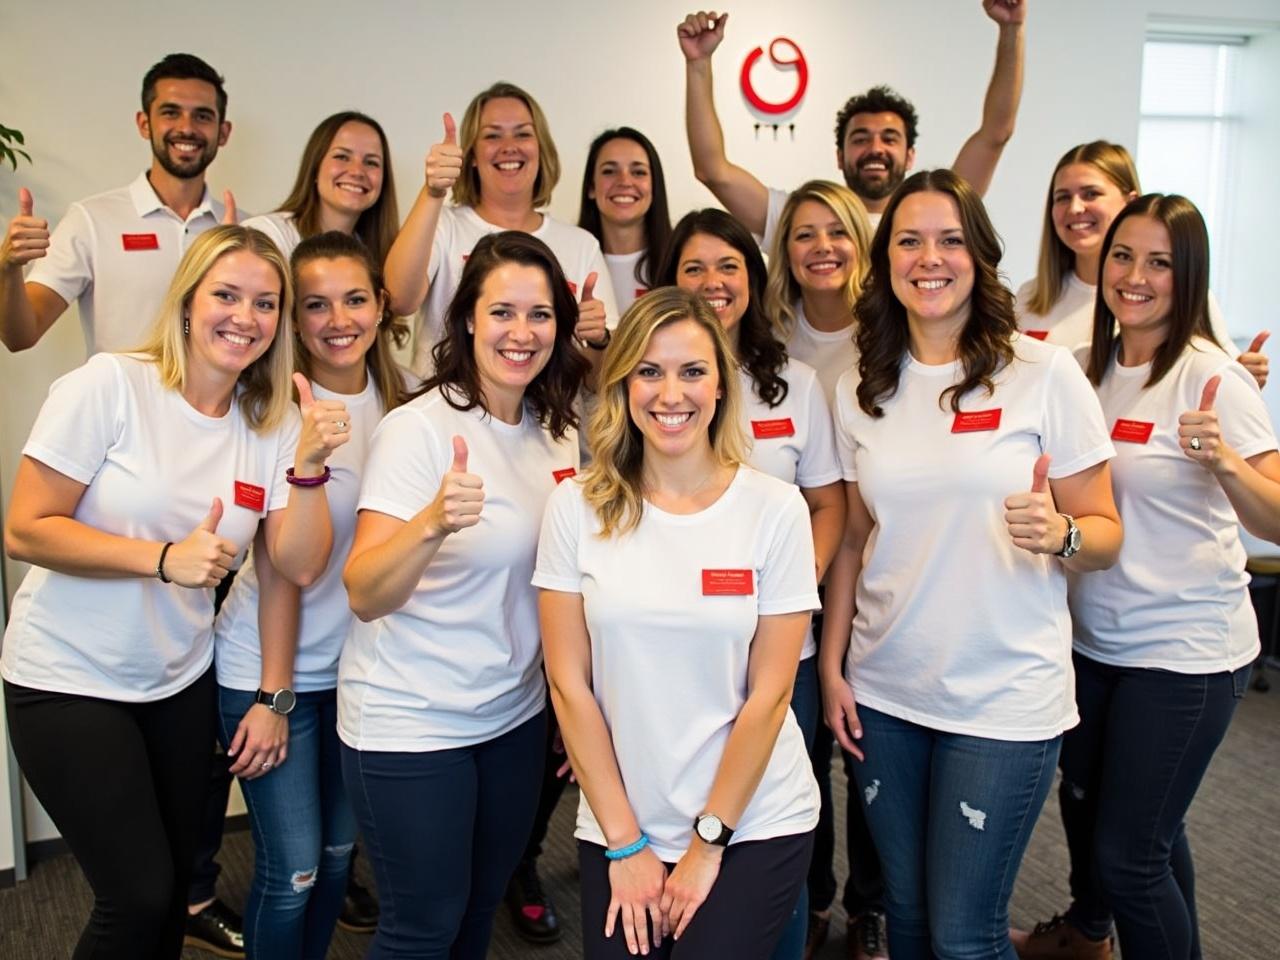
868 937
218 929
1057 939
816 934
359 908
531 909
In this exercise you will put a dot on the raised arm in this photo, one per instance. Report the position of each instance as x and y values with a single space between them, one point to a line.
741 193
977 159
27 310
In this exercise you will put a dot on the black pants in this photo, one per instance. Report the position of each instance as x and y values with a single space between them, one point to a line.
123 783
743 917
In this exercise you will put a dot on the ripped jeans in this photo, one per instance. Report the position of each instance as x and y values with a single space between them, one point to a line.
303 832
951 816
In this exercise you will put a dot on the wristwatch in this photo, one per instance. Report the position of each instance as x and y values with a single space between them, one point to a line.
282 701
712 830
1071 542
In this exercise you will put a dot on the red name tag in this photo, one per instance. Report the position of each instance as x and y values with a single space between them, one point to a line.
1036 334
728 583
250 497
976 421
564 474
573 287
769 429
140 241
1132 431
641 291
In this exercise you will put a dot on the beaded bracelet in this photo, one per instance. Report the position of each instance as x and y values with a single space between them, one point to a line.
307 481
630 850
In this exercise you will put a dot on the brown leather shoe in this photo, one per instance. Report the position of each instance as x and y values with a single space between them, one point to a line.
1057 939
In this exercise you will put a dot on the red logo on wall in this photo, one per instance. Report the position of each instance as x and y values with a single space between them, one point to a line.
802 77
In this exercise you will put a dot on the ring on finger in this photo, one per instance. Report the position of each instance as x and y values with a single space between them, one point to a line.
340 424
266 764
1195 443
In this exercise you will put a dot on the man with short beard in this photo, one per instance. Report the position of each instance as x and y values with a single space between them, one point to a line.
875 131
116 252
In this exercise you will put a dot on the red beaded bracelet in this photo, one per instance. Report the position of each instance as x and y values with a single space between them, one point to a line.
307 481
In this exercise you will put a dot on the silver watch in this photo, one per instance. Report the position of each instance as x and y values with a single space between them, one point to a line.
1071 542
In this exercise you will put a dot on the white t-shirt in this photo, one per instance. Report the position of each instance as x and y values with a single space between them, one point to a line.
778 200
956 628
1069 323
460 229
627 287
830 354
116 253
279 226
461 662
152 465
1178 597
324 616
669 662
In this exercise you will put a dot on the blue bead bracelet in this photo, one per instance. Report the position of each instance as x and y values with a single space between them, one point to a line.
630 850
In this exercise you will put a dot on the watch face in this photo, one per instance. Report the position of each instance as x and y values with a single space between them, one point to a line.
284 701
710 827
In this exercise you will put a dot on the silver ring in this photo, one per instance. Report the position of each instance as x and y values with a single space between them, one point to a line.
266 764
341 424
1195 443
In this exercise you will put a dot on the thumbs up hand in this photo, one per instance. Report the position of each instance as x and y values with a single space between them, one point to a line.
27 238
590 328
229 217
326 425
1033 519
444 162
460 499
1200 434
1255 361
203 558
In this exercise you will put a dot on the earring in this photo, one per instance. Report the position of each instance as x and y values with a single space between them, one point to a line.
186 326
471 329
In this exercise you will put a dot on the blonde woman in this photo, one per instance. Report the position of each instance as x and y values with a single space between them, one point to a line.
676 588
145 477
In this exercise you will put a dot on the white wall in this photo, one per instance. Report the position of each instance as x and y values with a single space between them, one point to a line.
72 72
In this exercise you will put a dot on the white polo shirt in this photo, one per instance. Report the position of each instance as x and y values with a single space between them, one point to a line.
116 253
672 608
1178 597
151 465
279 226
956 628
457 234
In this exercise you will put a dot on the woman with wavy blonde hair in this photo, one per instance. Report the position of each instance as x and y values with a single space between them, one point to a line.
676 585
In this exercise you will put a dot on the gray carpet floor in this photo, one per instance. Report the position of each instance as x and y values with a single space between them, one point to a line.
1234 828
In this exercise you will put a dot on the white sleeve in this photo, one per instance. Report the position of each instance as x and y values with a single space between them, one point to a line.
1073 430
270 225
557 567
67 269
1246 426
818 464
287 435
845 399
80 420
777 200
405 465
789 580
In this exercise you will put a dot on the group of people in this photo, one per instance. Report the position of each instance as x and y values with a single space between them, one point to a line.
699 500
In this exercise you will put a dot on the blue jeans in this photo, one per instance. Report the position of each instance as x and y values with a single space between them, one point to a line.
444 829
951 816
303 831
1129 773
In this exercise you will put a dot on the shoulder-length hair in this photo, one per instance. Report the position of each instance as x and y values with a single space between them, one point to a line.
783 289
376 226
985 345
657 221
760 352
466 190
1189 315
551 394
393 332
612 483
264 389
1057 259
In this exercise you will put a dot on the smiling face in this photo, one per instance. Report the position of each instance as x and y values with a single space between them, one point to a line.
717 272
621 183
182 126
349 180
875 157
930 267
514 329
820 251
233 314
1137 275
337 316
673 391
506 148
1085 202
